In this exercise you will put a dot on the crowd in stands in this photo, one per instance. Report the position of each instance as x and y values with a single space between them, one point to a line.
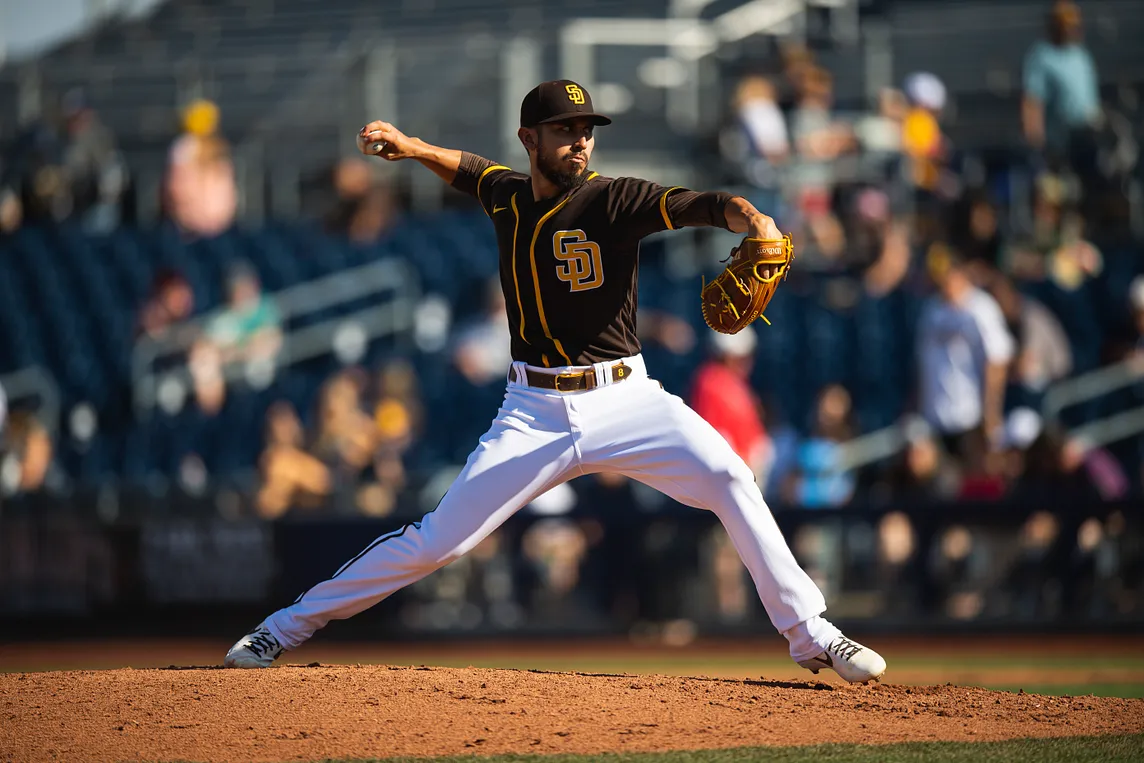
987 348
914 217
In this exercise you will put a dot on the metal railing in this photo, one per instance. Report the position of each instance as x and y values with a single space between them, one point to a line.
352 330
1089 386
891 440
1094 384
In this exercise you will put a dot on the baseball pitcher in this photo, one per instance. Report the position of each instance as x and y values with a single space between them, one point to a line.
579 399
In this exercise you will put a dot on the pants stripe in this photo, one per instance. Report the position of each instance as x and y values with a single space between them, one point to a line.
366 550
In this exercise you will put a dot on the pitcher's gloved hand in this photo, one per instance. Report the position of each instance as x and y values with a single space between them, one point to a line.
742 291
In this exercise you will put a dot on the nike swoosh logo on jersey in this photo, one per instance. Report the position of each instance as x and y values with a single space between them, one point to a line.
498 209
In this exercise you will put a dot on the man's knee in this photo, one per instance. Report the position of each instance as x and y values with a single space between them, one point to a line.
423 550
730 483
434 555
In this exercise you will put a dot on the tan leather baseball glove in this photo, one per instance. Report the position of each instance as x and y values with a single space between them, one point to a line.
742 291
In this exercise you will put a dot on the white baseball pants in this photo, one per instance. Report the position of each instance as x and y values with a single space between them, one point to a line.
542 438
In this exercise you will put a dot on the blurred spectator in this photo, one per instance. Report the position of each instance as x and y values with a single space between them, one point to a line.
1136 302
761 119
249 328
721 393
200 192
820 481
347 442
398 417
1076 260
555 548
94 171
3 408
1023 426
1057 248
797 61
881 133
11 210
483 348
964 349
64 166
33 176
170 304
1064 469
893 262
982 465
819 139
817 135
291 478
248 331
977 232
667 330
922 138
1043 353
364 208
25 454
1101 468
397 383
1061 107
923 472
727 577
879 243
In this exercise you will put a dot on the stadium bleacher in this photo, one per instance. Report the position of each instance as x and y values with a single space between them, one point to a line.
68 301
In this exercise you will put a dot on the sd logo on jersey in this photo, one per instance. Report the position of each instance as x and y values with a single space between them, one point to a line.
581 265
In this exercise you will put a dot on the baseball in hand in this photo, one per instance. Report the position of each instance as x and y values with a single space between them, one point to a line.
378 147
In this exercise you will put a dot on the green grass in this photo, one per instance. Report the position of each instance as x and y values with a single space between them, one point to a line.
1105 749
943 667
1126 691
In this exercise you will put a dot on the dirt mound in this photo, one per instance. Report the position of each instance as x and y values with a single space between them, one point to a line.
315 712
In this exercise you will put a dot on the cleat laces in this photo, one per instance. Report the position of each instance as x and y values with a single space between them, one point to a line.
845 648
262 643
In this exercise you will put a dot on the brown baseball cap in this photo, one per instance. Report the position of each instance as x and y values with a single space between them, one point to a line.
556 101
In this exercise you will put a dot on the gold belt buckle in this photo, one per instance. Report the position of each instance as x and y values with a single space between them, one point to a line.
574 375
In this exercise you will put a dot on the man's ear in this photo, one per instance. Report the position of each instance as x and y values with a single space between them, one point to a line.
527 138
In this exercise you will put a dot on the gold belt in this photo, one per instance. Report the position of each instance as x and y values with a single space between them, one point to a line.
574 381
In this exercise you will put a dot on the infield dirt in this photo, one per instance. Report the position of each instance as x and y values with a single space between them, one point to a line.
320 711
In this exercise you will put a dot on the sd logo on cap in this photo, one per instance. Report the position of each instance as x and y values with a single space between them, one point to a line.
557 101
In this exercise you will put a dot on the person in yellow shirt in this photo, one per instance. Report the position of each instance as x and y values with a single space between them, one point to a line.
922 139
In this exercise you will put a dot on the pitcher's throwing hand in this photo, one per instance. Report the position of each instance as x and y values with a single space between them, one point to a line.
384 140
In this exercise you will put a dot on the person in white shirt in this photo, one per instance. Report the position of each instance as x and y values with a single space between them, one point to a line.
761 119
964 349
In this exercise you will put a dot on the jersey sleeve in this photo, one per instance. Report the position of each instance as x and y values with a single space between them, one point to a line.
481 179
647 207
995 337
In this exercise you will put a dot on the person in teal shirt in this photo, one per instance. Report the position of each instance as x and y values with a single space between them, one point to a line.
1061 106
250 326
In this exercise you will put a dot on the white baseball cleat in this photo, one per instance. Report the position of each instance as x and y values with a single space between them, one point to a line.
257 649
849 659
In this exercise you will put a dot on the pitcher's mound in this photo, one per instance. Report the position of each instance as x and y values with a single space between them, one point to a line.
317 712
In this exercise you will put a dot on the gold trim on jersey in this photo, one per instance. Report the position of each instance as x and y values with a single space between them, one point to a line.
536 278
486 171
515 283
663 206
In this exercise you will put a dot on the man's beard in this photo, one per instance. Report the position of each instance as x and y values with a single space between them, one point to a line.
553 170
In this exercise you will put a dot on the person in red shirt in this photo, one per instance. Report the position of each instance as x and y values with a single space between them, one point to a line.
721 393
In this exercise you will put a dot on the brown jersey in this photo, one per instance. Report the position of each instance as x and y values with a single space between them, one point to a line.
568 264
